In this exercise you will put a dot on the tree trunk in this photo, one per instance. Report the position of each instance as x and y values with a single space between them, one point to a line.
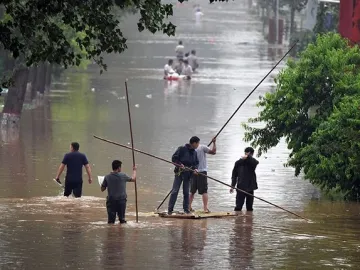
292 21
15 98
41 75
33 79
48 77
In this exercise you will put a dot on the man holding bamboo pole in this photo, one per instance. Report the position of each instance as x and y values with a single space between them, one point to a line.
199 182
185 156
244 178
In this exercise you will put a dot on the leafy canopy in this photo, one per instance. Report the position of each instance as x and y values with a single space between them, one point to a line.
37 29
326 72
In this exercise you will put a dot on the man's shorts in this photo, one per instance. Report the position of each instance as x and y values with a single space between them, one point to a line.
199 183
74 188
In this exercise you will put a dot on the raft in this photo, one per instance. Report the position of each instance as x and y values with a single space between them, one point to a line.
197 215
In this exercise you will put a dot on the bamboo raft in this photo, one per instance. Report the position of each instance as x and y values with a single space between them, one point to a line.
197 215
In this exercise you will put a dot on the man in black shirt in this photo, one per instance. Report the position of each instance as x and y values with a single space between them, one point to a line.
74 161
244 176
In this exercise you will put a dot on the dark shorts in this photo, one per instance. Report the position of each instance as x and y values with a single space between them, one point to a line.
73 187
199 183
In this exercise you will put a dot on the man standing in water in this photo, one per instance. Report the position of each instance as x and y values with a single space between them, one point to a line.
179 50
244 176
199 182
185 156
74 161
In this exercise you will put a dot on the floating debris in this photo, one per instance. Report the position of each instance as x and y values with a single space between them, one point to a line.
149 96
92 89
137 105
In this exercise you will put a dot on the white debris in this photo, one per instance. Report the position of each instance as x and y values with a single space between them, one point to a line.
149 96
137 105
93 89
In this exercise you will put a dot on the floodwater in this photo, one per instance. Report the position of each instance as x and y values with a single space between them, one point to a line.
40 229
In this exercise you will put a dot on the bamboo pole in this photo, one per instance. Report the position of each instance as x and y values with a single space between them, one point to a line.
132 147
209 177
256 87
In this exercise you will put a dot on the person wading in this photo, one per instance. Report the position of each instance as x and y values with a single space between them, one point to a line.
185 156
115 183
244 176
74 161
199 182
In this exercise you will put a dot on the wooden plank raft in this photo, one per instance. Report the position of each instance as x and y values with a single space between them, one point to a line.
197 215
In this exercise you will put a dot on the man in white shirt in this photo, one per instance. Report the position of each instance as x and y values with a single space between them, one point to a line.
187 70
199 182
168 70
179 50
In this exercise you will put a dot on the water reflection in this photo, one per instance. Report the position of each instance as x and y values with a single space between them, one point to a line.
187 243
72 243
113 248
241 247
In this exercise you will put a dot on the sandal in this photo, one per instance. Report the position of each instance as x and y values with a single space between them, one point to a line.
207 211
192 210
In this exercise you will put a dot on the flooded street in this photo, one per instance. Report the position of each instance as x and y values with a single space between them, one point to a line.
40 229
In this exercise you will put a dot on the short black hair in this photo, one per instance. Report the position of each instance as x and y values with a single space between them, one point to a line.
116 164
180 42
194 139
193 51
249 150
170 61
186 62
75 146
186 54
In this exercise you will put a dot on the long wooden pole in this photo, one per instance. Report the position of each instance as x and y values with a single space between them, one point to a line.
256 87
132 147
209 177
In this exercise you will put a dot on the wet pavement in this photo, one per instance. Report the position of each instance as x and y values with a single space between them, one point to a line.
39 229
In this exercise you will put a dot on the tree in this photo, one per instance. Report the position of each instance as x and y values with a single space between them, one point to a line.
326 72
332 158
32 28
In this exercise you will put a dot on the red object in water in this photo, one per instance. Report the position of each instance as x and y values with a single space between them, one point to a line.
346 16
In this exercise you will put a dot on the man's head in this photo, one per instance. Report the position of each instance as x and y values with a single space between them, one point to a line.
170 62
186 62
180 42
186 54
249 151
181 61
194 142
116 165
74 146
193 52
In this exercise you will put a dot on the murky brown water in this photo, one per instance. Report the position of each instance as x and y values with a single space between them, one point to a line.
39 229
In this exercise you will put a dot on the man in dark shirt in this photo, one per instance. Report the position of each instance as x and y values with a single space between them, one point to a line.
74 161
115 183
185 156
244 176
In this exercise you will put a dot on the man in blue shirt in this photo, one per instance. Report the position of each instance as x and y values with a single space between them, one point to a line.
74 161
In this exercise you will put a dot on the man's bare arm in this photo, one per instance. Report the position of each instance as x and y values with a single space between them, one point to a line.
103 188
60 170
88 171
133 177
213 149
